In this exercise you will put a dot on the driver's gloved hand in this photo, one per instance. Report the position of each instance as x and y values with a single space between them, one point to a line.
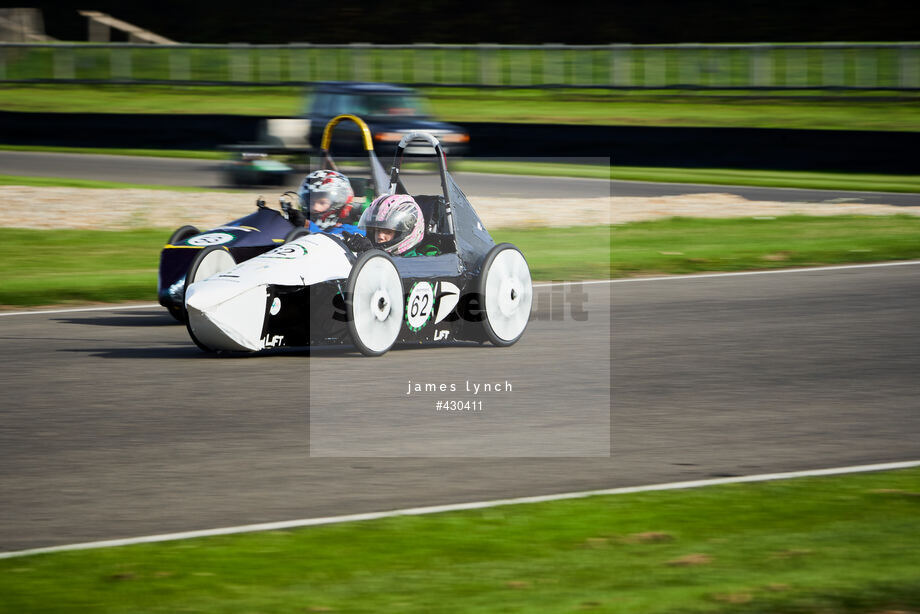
356 242
296 217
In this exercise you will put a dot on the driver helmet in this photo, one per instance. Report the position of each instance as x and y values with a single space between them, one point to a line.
326 198
400 215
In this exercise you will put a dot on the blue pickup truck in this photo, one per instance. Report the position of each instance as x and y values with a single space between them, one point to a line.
390 111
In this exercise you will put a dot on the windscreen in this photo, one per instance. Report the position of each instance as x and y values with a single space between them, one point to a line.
473 241
390 105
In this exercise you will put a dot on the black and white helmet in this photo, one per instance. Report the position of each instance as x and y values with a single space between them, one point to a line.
326 197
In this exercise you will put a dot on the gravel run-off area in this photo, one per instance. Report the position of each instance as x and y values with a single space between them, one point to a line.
58 207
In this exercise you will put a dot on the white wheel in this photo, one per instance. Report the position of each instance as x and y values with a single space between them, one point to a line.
374 303
210 261
506 294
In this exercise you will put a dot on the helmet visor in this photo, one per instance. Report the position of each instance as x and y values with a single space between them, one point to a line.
316 203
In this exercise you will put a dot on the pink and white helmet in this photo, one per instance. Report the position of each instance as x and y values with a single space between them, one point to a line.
399 213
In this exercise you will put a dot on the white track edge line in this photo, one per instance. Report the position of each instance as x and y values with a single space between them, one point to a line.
455 507
732 274
548 284
76 309
840 267
756 187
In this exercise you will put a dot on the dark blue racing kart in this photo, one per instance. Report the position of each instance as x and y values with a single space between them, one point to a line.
182 260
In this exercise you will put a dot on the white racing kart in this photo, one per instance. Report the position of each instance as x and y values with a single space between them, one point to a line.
313 290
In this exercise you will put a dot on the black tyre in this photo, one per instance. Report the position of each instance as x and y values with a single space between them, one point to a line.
505 294
177 312
296 233
181 234
178 236
191 333
374 303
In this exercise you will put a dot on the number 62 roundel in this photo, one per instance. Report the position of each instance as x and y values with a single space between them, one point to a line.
426 300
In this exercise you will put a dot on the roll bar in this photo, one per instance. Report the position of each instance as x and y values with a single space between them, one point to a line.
442 166
401 149
378 174
327 137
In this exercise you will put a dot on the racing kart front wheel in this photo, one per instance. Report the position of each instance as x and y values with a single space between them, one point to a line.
374 303
181 234
506 294
209 261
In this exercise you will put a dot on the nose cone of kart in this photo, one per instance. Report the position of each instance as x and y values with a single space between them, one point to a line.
224 315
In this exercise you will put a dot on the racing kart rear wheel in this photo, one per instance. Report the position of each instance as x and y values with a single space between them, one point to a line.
506 294
374 303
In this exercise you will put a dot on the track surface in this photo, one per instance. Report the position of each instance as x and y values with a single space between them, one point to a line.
204 173
114 425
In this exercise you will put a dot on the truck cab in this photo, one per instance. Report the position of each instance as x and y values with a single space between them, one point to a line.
390 112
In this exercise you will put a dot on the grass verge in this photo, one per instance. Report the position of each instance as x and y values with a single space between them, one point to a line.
45 267
63 182
690 245
149 153
820 110
771 179
38 267
681 108
831 544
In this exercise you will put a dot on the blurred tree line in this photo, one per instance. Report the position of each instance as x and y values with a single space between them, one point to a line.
498 21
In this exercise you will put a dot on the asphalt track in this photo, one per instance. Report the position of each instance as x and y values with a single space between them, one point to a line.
206 174
115 425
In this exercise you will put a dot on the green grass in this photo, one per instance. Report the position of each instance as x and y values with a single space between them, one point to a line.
43 182
682 108
43 267
148 153
775 179
687 245
665 108
772 179
279 102
38 267
841 544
